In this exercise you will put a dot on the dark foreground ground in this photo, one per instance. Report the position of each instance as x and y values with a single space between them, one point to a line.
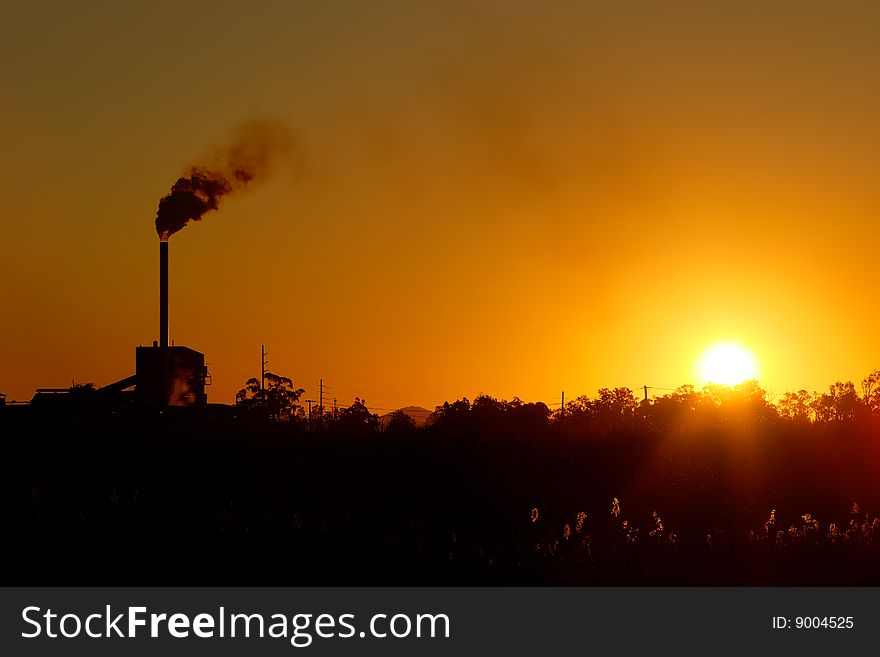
214 499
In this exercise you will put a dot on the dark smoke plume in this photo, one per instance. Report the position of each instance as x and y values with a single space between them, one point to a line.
256 147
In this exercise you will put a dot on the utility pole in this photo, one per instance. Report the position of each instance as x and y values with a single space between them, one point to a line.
646 393
263 362
321 402
562 408
310 402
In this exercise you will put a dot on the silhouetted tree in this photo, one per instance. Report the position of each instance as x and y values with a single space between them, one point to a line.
676 409
871 392
278 399
841 403
796 406
614 409
399 423
452 417
357 418
528 418
742 405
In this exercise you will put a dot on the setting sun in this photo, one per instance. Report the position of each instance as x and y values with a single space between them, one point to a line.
727 363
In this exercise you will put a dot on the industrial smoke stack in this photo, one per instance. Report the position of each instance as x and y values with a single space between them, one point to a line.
163 293
257 146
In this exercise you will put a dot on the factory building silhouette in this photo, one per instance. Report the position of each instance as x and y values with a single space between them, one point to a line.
168 375
165 374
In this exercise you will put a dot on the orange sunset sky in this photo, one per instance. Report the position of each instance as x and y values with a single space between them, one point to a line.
504 197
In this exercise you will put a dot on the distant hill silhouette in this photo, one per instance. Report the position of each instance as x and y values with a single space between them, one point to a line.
418 414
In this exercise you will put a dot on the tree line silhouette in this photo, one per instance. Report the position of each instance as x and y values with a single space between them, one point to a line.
613 410
712 486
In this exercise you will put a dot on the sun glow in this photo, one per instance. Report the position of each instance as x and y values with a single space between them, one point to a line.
728 364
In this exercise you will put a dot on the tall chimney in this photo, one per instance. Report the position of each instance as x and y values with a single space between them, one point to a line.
163 293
